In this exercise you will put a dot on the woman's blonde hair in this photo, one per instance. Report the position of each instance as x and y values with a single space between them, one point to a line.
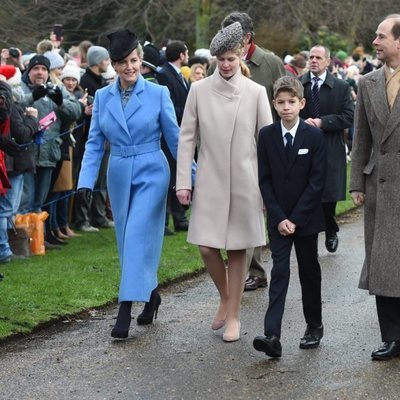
193 69
238 50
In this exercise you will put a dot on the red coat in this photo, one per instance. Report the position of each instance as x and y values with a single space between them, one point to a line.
4 182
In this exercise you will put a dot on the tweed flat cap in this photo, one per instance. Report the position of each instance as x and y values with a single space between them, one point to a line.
226 39
122 43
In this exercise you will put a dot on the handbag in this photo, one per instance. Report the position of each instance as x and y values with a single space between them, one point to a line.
19 241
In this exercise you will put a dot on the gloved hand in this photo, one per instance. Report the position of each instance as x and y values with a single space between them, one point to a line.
55 94
9 146
38 92
84 195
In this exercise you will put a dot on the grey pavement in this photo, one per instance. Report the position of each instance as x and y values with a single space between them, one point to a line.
180 357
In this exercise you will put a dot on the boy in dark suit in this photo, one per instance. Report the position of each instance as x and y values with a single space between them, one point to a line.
291 165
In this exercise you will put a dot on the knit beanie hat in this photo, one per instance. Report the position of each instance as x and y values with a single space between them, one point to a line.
38 60
96 54
56 61
70 71
226 39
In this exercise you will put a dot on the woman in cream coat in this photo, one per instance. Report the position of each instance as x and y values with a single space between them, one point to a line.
224 113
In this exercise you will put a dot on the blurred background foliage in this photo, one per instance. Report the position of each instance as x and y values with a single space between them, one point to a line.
280 25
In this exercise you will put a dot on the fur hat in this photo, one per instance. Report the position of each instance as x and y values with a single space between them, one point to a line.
226 39
70 71
122 43
151 56
96 54
110 73
56 61
38 60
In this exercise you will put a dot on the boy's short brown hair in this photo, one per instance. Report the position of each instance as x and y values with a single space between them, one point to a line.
289 84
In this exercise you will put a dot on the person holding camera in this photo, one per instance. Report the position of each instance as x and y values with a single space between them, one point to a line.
46 97
12 56
91 216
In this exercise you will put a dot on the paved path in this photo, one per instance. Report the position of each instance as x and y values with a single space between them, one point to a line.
179 357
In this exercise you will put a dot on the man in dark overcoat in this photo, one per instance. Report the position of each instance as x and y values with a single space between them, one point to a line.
375 182
329 107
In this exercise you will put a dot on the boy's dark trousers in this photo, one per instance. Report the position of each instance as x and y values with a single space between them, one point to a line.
306 248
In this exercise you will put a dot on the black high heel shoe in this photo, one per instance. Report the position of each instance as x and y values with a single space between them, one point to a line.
121 328
150 309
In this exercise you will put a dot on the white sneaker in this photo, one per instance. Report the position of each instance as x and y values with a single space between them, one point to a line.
87 228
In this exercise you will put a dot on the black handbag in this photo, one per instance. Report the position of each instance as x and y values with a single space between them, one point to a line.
19 241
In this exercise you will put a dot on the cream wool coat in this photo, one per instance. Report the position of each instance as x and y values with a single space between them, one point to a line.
225 118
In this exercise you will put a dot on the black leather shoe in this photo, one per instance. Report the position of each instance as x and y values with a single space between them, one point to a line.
387 351
312 337
270 345
182 227
331 242
254 282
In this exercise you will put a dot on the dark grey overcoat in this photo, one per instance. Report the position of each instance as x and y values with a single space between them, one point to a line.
337 114
376 172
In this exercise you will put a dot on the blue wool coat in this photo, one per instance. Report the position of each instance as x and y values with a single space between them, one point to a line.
138 176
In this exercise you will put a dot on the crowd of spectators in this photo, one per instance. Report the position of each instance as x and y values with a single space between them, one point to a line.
43 141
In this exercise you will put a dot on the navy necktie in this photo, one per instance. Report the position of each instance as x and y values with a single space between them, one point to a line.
315 97
288 147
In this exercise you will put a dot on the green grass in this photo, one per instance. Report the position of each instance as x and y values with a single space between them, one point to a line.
84 274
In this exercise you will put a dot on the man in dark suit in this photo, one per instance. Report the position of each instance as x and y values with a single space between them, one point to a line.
291 167
177 55
329 107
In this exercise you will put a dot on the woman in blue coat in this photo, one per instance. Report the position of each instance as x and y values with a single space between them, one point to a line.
131 114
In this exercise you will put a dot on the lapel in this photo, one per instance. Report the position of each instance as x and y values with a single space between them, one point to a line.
177 77
298 141
278 140
376 88
394 120
114 105
134 102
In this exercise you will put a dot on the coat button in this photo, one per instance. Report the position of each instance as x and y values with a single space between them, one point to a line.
381 180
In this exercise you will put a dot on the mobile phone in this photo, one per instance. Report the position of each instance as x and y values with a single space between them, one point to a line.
58 31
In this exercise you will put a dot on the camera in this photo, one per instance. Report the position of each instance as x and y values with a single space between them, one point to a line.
90 100
51 89
13 51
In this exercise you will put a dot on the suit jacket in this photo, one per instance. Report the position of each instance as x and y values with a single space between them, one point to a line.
337 114
292 189
167 76
375 171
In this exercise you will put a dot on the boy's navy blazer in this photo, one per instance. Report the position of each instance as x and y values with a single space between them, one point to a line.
292 189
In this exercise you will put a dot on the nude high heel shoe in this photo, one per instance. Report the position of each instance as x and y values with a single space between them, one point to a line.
217 324
232 337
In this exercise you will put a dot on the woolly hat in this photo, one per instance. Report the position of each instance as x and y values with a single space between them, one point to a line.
39 60
203 53
151 56
341 55
96 54
70 71
226 39
122 43
56 61
12 74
